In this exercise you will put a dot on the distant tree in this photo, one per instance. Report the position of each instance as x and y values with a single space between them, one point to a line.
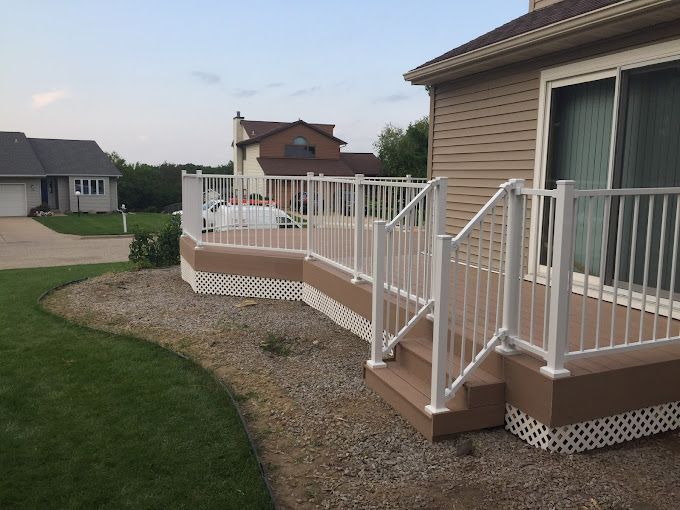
404 151
144 187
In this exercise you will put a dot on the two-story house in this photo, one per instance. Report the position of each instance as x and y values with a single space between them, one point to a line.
295 148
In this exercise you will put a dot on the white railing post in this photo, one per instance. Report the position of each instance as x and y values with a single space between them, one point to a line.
310 212
358 226
185 201
197 226
378 297
560 282
440 334
439 227
513 270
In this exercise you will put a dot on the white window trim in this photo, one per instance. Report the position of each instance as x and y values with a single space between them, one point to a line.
81 179
608 66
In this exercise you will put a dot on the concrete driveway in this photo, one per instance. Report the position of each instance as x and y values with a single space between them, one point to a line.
26 243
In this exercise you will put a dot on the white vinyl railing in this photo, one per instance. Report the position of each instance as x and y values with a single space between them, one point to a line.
402 252
329 218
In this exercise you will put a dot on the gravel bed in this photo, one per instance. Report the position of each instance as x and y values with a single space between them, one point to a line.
327 440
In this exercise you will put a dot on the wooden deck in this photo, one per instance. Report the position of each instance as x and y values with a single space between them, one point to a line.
600 386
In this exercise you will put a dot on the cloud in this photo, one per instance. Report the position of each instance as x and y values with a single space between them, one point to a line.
42 99
245 92
393 98
208 78
275 84
305 92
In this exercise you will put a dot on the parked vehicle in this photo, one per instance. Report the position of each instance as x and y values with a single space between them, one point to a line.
220 216
299 201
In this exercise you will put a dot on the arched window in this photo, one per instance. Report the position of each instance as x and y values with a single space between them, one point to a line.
300 148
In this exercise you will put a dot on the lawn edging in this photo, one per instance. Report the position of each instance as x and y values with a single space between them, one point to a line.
228 390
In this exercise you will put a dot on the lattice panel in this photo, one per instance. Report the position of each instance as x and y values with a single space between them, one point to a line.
188 273
337 312
247 286
592 434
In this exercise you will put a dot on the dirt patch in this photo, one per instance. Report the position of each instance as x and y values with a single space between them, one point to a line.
327 440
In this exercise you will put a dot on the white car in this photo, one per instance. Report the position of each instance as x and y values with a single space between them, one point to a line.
221 216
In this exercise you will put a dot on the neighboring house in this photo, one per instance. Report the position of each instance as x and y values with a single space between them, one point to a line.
295 148
35 171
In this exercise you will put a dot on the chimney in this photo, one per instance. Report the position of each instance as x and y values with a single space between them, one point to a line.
237 156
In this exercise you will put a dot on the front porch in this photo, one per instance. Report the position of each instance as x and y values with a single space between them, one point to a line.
599 389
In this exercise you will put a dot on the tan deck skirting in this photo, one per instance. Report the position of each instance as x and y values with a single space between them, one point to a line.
599 387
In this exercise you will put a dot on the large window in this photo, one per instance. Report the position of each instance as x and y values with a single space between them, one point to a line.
618 129
300 148
89 186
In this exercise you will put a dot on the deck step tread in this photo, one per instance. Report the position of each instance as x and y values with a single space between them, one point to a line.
423 349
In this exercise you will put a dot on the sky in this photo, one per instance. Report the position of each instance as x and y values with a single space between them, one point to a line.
161 81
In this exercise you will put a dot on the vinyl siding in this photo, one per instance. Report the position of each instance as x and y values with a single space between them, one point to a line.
250 165
539 4
113 193
484 127
33 195
90 203
63 194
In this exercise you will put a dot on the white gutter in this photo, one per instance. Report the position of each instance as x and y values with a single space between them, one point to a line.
458 63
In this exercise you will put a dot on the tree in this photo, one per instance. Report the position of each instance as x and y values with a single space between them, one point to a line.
144 187
404 152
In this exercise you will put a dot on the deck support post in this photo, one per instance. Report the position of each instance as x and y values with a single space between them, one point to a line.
359 214
513 271
560 282
310 214
378 296
440 335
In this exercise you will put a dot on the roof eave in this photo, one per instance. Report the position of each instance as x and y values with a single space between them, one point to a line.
459 64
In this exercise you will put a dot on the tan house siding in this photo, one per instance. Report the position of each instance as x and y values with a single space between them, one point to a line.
484 126
250 165
274 146
113 193
539 4
63 194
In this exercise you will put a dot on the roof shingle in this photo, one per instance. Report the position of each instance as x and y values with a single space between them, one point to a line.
532 21
73 157
17 157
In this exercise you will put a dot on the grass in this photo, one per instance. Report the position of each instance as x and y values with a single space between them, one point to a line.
95 420
103 224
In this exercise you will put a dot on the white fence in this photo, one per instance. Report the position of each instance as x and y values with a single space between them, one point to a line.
329 218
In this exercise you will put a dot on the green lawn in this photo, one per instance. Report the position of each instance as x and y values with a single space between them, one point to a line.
90 419
103 224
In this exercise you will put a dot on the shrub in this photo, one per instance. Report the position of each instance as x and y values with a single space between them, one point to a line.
149 249
39 210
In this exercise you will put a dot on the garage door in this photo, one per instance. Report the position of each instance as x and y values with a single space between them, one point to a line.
12 200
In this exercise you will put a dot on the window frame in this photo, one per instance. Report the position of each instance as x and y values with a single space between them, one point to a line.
96 186
608 66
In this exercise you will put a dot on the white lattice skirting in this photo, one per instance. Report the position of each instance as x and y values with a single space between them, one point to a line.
592 434
271 288
337 312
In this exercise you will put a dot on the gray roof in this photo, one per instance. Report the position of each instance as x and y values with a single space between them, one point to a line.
17 157
22 156
73 157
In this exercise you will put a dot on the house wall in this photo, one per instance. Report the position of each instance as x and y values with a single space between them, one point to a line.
274 146
250 165
63 194
113 196
33 193
539 4
90 203
484 127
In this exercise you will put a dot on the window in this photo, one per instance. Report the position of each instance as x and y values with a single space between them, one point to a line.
89 186
300 148
616 128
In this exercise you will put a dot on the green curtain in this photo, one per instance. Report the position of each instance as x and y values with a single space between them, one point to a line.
578 149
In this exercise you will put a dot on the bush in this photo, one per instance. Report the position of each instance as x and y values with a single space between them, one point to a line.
40 210
149 249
